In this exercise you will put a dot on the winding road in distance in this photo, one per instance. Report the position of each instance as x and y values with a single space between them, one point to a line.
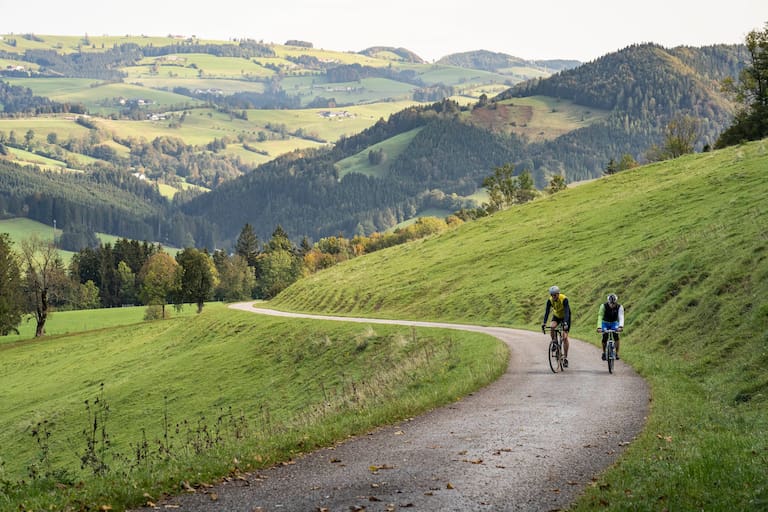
531 440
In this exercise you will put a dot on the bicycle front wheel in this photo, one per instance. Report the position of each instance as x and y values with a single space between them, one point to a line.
611 357
555 361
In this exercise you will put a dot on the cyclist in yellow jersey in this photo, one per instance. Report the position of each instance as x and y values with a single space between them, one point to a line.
561 313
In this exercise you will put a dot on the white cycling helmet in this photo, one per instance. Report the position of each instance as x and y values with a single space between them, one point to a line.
553 290
612 298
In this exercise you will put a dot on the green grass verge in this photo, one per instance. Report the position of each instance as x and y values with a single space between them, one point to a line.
684 245
196 398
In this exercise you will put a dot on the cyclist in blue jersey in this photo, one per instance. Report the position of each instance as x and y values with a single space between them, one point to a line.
558 304
611 317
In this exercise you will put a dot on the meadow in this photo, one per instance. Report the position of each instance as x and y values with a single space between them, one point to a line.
115 415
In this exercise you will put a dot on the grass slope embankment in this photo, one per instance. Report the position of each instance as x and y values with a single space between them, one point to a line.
684 245
115 417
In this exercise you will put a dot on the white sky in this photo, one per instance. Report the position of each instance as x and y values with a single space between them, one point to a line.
556 29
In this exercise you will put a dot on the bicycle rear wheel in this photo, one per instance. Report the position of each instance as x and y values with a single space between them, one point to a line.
555 359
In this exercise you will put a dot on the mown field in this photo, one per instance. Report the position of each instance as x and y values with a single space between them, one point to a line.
683 243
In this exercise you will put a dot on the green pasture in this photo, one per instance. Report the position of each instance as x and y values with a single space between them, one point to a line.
94 43
522 73
226 86
62 323
199 64
536 117
55 88
340 121
340 57
455 76
473 92
63 126
672 241
267 388
5 63
20 228
23 157
198 129
392 148
169 191
271 148
367 90
101 97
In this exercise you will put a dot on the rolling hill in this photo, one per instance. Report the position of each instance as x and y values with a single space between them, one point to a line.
571 124
278 134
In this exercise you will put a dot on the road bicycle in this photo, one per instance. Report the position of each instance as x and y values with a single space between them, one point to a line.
610 348
555 349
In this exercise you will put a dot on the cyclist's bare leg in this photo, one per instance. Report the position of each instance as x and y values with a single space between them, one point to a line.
616 339
565 344
553 326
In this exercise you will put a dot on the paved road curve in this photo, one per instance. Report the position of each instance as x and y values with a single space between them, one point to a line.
532 440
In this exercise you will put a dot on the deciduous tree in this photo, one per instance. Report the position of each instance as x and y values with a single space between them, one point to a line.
158 279
557 183
198 277
236 278
44 279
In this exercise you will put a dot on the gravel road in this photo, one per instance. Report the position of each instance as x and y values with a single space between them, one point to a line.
532 440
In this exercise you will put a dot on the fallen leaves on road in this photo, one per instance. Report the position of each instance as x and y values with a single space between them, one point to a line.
374 469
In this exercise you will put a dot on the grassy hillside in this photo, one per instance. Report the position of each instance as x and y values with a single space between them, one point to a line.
391 147
207 392
683 244
537 118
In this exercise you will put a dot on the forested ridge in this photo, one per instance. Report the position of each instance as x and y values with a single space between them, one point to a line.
495 61
105 201
641 87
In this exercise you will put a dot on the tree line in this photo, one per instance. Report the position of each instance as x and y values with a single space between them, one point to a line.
36 281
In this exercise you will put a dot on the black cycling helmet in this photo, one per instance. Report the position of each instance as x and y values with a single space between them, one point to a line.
612 298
